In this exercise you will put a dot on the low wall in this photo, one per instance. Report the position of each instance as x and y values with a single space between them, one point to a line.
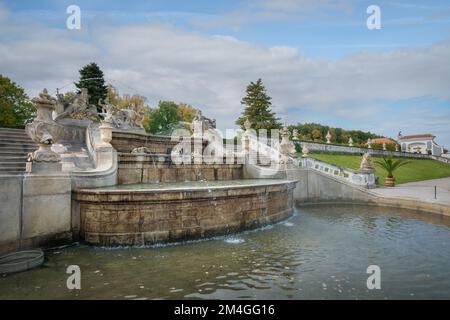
125 142
316 187
136 217
141 168
34 211
334 148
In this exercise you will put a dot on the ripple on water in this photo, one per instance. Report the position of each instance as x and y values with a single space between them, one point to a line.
234 240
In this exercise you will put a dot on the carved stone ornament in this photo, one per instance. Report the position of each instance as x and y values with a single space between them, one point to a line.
328 137
366 164
124 119
43 130
286 146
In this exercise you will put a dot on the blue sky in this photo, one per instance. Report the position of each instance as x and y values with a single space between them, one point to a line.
317 58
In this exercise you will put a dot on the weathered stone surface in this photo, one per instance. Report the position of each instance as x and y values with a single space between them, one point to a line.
46 206
10 208
149 216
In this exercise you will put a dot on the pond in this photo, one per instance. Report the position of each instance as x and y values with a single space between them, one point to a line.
322 252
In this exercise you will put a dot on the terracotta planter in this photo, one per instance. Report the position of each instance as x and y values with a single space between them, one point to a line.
390 182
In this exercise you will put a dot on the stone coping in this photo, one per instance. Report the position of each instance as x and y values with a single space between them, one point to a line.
249 188
393 202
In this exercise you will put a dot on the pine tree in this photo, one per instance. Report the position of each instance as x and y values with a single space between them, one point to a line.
91 78
258 108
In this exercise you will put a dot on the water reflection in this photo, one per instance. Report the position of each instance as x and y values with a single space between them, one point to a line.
322 252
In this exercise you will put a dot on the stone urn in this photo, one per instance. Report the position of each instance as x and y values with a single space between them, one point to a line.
305 151
45 132
328 137
369 143
106 133
350 142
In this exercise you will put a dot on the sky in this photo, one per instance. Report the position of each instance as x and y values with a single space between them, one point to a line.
318 60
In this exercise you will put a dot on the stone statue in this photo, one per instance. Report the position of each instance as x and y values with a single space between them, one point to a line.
328 137
206 123
366 164
286 147
78 108
43 130
384 146
369 143
305 150
125 119
247 124
350 142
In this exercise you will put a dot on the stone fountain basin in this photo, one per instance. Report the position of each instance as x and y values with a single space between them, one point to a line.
164 212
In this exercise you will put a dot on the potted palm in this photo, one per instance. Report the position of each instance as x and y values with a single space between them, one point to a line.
390 165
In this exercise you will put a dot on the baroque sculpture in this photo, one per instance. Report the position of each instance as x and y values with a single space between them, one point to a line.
328 137
366 164
76 108
125 119
43 130
286 146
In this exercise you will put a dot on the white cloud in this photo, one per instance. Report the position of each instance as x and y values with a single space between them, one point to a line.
212 72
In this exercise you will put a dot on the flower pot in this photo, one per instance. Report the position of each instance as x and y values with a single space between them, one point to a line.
390 181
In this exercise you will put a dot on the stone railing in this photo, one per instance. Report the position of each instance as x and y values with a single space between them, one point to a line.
367 180
330 148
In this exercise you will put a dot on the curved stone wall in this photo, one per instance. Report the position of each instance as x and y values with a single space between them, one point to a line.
146 216
145 168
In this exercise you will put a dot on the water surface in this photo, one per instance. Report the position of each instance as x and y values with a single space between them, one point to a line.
322 252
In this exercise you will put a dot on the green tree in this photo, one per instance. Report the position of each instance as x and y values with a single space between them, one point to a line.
15 106
91 78
164 118
258 108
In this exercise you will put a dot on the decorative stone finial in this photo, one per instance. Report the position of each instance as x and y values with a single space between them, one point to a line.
43 130
384 146
366 164
286 146
350 142
305 150
369 143
328 137
396 147
247 123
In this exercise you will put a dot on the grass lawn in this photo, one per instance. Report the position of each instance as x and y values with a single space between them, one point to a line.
416 170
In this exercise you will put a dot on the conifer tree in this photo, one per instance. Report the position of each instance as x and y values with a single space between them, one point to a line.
258 108
91 78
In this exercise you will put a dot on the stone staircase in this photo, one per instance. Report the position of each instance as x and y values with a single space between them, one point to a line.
14 147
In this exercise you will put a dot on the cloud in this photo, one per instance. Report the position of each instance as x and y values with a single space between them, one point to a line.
211 72
256 11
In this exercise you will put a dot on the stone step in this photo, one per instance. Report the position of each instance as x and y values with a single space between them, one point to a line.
12 172
8 144
12 131
5 153
21 169
13 158
5 165
18 149
7 137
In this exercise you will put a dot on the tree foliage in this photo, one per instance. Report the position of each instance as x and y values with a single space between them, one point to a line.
390 164
163 119
318 132
16 108
258 108
91 78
